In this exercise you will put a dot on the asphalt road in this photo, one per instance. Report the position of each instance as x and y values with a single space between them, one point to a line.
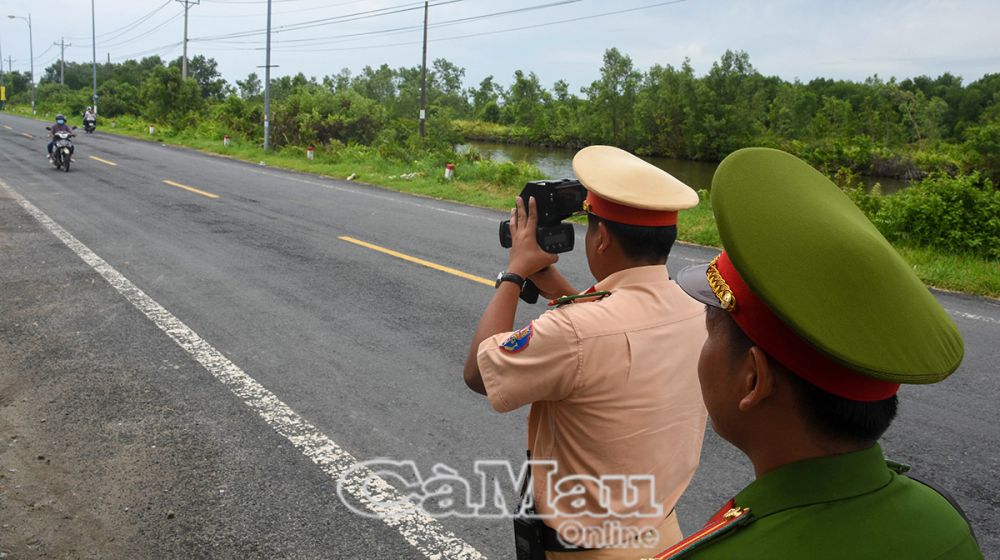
365 347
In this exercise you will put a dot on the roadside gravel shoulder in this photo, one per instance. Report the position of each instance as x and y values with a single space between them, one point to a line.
115 444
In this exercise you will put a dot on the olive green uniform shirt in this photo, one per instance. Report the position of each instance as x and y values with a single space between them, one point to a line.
843 506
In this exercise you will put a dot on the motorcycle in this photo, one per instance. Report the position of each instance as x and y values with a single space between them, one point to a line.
62 149
89 126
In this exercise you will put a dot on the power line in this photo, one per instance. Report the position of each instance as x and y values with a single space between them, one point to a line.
106 44
51 62
221 39
248 1
283 12
141 35
41 54
493 32
162 49
446 23
329 21
131 25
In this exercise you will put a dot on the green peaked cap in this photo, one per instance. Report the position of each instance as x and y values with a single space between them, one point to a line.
805 249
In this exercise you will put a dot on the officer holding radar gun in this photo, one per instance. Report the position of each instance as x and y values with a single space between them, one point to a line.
617 420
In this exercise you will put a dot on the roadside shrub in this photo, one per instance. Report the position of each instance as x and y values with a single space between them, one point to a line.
239 118
507 174
955 214
983 146
869 202
118 98
505 134
57 98
312 116
169 99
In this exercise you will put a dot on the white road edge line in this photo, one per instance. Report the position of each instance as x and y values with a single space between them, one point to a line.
420 530
982 318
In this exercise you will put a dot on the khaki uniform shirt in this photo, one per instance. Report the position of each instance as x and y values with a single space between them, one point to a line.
613 389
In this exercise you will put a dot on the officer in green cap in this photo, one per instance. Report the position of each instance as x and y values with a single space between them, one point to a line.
813 323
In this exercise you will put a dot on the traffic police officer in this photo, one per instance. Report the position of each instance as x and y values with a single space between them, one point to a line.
610 374
813 322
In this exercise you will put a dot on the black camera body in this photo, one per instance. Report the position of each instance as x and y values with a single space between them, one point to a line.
555 200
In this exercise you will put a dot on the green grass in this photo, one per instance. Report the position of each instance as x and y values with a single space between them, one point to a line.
955 272
697 225
495 185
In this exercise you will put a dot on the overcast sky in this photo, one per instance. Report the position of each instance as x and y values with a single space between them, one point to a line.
849 39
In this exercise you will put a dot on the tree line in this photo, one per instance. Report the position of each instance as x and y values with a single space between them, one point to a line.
902 128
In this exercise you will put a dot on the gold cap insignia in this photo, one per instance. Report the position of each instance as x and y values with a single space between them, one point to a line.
719 286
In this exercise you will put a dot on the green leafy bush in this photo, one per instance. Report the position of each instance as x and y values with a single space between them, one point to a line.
117 98
314 115
240 118
953 214
983 145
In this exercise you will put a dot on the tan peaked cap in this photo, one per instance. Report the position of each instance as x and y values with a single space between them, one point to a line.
623 178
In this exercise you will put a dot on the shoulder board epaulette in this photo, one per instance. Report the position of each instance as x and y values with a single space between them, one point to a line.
728 519
898 468
586 296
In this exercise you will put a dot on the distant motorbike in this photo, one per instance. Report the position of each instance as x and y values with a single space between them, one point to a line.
89 126
62 149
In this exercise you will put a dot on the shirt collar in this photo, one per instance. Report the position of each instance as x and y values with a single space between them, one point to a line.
815 481
634 275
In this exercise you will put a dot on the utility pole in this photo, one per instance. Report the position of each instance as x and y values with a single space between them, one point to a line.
267 84
3 102
184 61
93 34
62 59
31 54
423 79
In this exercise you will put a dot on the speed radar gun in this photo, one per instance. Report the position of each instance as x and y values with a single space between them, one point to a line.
555 201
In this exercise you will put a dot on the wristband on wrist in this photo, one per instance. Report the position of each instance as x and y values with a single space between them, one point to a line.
505 276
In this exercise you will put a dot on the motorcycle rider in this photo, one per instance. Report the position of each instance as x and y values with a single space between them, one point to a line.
60 126
89 117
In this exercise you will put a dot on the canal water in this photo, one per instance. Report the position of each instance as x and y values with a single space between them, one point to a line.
556 163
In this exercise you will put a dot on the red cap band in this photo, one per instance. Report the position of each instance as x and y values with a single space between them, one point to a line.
769 332
628 215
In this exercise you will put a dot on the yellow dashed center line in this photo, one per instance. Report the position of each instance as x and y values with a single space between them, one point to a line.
192 189
111 163
421 262
7 127
25 134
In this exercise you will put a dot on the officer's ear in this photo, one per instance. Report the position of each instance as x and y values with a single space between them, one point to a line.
757 378
603 240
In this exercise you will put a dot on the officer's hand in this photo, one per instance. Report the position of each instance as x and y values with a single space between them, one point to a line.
526 257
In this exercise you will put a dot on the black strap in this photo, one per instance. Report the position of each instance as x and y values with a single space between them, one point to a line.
549 536
529 293
525 482
552 542
528 541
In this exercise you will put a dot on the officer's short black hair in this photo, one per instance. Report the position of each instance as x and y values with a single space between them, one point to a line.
650 244
831 415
